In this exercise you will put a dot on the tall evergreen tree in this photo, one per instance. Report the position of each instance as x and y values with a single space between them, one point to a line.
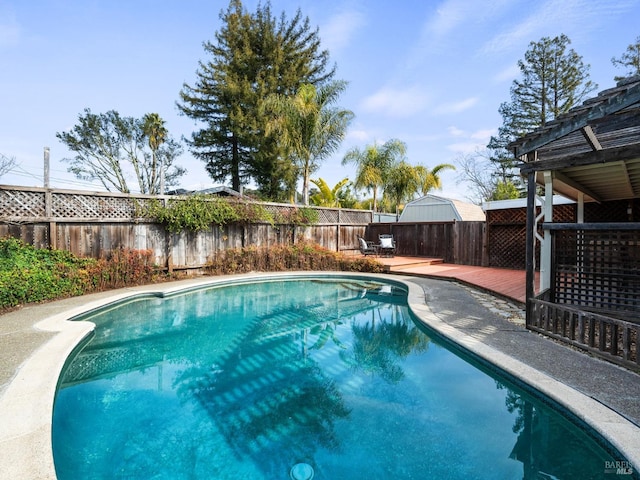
554 80
253 56
630 60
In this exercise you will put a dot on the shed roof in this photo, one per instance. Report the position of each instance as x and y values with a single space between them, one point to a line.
593 148
434 208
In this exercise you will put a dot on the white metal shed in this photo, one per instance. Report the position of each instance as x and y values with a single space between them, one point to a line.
431 208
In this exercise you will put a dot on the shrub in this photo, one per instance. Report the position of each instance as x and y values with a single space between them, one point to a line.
301 256
28 274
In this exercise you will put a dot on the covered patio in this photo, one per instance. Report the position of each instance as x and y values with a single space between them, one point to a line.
589 280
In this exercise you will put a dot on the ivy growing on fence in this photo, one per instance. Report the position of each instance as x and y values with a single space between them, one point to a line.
197 213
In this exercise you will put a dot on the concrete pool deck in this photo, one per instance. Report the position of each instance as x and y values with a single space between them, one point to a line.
36 340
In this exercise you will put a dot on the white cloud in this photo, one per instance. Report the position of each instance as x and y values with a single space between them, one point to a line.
456 107
448 16
397 102
483 135
465 147
508 74
357 135
469 143
575 18
337 33
455 131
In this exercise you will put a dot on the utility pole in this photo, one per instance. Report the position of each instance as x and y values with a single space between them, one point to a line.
46 167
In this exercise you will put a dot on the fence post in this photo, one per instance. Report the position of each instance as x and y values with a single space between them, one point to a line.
338 239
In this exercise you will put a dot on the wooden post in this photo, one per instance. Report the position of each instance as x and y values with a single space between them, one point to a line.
338 231
529 247
46 167
52 244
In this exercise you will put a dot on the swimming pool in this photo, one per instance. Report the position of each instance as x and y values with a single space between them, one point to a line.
254 380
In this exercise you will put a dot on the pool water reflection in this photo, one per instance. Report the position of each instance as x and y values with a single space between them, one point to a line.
248 380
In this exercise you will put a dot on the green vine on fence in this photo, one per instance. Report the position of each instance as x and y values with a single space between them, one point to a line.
197 213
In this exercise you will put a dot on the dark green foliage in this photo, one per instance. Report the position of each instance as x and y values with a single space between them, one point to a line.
630 60
198 213
28 274
195 213
253 56
554 80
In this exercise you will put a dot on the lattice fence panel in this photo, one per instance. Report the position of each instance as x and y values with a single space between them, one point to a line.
598 269
327 216
507 246
22 203
73 205
610 211
355 217
507 216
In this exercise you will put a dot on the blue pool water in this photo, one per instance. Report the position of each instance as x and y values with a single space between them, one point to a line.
245 381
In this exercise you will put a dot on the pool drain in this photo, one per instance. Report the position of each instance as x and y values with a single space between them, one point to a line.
301 471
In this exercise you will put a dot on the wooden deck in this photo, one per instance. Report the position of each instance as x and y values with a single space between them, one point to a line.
501 281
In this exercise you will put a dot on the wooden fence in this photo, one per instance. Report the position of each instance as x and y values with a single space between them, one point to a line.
94 223
463 243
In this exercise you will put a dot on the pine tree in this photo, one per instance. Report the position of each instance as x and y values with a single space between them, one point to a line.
253 56
554 80
630 59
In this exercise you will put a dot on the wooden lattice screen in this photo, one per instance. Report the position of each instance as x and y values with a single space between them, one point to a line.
507 230
597 269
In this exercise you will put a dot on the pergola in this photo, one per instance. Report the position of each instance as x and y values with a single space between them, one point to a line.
590 269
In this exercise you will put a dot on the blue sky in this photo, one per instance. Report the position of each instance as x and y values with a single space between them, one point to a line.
430 73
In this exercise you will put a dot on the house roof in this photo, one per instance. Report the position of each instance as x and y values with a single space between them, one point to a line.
593 148
220 190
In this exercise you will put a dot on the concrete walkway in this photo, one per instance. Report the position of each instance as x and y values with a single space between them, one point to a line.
35 341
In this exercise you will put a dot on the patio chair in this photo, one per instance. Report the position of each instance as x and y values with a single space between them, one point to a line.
387 246
367 248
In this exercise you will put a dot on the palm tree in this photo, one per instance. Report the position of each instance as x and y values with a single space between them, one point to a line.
402 183
326 196
156 133
374 163
430 179
310 128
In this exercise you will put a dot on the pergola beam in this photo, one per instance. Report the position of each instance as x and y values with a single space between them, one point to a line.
626 152
591 138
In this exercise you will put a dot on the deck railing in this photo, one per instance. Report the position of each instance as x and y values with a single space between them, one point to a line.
611 338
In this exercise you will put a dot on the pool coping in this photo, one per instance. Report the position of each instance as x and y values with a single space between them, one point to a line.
26 404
